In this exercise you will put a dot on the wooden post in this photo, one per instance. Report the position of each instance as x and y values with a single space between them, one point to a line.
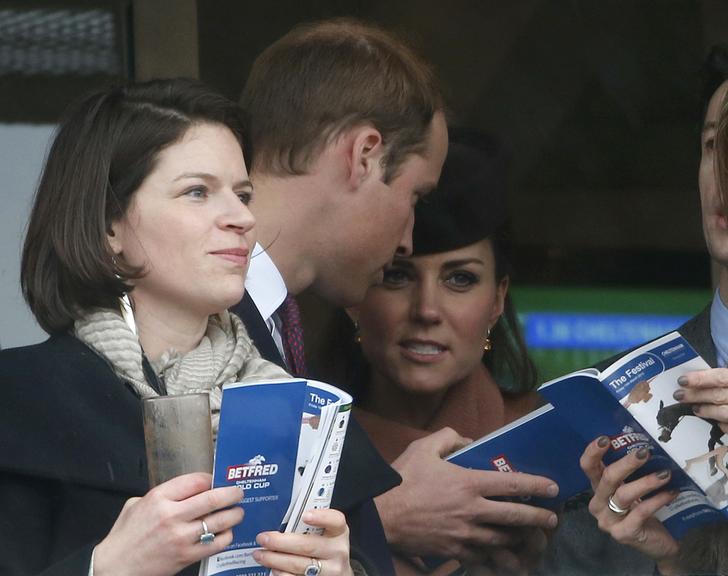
165 39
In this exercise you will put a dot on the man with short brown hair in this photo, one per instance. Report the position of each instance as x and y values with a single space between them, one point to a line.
321 80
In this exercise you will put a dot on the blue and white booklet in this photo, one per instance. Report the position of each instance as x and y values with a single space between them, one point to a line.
631 402
281 442
541 443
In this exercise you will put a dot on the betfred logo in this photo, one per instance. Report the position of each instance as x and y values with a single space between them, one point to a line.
502 464
628 438
255 468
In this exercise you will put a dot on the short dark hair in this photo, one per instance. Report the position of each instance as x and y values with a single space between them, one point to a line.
713 73
508 361
323 78
104 148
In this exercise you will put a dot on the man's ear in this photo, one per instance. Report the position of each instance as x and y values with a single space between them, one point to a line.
365 154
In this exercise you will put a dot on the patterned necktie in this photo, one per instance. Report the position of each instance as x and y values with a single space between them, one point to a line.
292 336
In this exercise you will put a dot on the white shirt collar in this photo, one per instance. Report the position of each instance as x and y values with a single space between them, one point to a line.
264 283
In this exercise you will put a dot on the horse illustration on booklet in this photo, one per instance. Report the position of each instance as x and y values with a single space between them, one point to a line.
668 417
640 393
257 460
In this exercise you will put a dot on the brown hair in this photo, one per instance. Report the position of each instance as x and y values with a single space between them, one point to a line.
103 150
322 79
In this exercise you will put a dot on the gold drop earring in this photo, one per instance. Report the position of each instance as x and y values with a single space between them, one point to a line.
487 345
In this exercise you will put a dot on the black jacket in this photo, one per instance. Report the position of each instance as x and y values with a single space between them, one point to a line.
363 473
71 454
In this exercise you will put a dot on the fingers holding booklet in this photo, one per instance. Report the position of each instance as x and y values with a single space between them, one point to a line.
465 507
294 553
632 404
281 441
705 392
626 509
658 466
653 447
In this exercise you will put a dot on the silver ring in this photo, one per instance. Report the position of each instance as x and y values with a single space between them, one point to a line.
313 569
206 537
614 507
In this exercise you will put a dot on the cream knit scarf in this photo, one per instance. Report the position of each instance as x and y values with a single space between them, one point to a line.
225 354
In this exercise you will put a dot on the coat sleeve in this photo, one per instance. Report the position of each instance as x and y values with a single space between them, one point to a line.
27 528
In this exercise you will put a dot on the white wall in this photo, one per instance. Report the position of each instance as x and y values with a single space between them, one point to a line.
22 151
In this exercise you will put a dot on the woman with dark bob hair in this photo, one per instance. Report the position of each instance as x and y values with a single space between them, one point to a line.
437 344
138 242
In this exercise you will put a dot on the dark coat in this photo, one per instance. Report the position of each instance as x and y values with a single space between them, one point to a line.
697 332
71 453
363 474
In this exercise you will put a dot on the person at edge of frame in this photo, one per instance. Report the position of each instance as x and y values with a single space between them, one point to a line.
703 550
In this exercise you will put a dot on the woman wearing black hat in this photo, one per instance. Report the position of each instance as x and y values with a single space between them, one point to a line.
438 343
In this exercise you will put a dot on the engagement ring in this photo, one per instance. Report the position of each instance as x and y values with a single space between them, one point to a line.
206 537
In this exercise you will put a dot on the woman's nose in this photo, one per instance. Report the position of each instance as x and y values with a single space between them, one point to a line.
236 215
425 305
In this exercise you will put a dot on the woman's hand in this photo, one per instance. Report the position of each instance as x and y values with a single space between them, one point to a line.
293 553
636 526
159 534
707 391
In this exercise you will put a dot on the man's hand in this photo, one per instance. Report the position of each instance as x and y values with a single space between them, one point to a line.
441 509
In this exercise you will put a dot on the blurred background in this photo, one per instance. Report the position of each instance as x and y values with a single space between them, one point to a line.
597 103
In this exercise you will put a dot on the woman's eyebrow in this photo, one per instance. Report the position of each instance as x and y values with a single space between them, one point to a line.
462 262
245 183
